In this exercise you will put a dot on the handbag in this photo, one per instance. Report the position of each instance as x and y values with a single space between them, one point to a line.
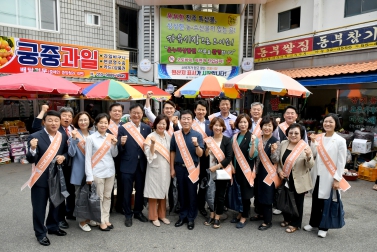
56 184
333 213
88 203
221 174
234 196
286 201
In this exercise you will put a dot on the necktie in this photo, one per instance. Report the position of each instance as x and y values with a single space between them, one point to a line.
67 131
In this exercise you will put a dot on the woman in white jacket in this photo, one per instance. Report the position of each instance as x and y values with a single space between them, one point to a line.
324 181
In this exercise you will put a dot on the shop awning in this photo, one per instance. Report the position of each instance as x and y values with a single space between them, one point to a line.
340 80
189 2
157 92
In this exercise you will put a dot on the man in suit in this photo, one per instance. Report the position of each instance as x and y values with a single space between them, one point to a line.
200 110
116 112
66 127
38 143
256 112
133 164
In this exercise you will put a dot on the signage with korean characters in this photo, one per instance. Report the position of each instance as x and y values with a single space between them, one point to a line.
188 72
199 38
342 41
18 55
358 108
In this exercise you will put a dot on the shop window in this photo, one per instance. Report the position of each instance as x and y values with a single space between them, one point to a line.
289 19
37 14
128 27
357 7
92 19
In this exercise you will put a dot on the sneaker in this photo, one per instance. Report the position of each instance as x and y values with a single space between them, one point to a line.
308 228
93 223
276 211
322 233
85 228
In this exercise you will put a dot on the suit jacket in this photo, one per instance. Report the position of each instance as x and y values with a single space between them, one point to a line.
37 126
120 124
204 161
336 147
131 153
43 144
226 147
300 170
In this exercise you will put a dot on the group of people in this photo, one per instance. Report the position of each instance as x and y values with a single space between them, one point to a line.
250 151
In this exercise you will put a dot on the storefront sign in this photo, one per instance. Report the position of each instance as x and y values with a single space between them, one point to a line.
18 55
247 64
188 72
199 38
352 39
145 65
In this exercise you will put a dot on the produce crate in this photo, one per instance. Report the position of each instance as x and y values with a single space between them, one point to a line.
366 173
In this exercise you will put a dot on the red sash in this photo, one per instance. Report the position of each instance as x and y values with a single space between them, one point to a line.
272 175
81 143
283 126
113 128
219 154
331 167
187 159
257 130
295 153
101 152
196 126
136 135
160 148
44 161
242 162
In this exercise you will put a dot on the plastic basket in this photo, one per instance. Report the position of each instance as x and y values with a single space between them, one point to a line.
366 173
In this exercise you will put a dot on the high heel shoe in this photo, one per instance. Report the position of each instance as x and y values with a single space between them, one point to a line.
209 221
216 224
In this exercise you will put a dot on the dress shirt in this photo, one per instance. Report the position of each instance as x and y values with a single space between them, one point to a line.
253 125
137 127
33 152
201 124
228 131
190 146
105 168
152 117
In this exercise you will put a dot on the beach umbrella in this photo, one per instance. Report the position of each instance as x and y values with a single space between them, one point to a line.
112 89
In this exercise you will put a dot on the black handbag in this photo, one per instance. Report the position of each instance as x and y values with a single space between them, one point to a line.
333 213
88 203
286 201
235 197
56 184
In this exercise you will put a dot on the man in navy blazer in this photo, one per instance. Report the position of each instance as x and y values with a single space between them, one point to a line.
200 110
38 144
133 165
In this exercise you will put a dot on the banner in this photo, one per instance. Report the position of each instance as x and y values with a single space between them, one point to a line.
189 72
199 38
18 55
342 41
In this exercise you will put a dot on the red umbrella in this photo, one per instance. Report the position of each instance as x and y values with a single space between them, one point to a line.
38 82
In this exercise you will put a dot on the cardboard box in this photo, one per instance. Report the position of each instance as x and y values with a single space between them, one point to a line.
361 146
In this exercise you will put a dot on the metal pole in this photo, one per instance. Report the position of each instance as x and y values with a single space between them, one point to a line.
150 33
247 31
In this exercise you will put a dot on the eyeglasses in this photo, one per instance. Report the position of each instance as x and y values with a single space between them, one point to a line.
294 133
186 118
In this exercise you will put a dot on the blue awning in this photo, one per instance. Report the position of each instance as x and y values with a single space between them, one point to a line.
339 80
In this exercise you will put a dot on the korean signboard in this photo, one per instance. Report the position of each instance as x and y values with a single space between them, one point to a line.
19 55
188 72
352 39
199 38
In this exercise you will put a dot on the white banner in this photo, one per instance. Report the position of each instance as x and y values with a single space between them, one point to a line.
188 72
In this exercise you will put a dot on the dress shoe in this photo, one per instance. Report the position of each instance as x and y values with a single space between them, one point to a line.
240 224
44 241
58 232
111 226
165 221
203 212
104 229
234 220
128 222
63 224
156 223
140 217
71 218
190 225
180 222
85 228
262 228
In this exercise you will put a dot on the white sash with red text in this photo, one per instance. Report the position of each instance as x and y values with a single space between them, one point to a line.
331 167
242 162
44 161
136 135
186 156
272 175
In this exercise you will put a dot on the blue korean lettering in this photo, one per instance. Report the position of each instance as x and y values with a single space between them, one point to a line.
27 57
50 55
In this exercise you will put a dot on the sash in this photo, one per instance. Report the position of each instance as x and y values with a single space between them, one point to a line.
101 152
257 130
113 128
290 161
136 135
187 159
283 126
44 162
331 167
210 117
196 126
272 175
171 130
242 162
160 148
81 143
219 154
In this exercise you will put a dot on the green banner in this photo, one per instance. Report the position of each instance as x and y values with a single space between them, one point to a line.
199 38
